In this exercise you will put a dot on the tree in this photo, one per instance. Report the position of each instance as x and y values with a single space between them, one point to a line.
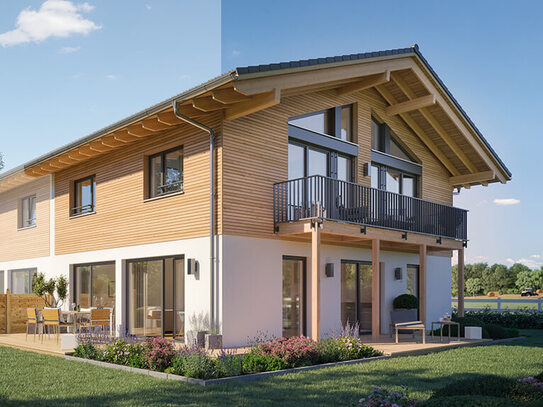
497 278
46 289
530 279
1 161
473 286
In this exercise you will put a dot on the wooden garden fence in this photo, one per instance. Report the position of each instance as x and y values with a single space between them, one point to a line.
13 311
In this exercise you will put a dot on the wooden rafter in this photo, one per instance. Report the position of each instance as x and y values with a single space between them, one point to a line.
364 83
437 127
485 155
482 177
88 151
124 136
207 104
169 118
256 103
138 130
410 105
99 146
110 141
419 132
189 110
74 155
228 96
154 124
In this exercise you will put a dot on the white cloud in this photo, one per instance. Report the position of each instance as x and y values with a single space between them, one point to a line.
148 7
68 50
535 256
510 260
111 76
482 203
507 201
55 18
236 53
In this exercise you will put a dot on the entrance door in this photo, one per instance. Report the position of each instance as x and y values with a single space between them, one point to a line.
413 281
293 296
156 297
356 294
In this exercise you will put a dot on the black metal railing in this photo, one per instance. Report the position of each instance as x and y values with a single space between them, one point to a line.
332 199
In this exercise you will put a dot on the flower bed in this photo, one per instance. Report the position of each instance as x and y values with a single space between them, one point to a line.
158 354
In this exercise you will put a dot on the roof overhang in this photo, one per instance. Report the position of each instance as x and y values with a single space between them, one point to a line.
403 78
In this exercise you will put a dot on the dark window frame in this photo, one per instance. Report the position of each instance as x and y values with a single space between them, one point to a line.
27 223
304 291
382 173
75 278
77 211
162 155
334 121
358 310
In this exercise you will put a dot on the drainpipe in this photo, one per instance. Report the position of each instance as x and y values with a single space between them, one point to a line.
211 211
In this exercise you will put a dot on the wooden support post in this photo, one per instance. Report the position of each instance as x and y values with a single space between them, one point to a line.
375 290
461 282
315 282
422 283
8 311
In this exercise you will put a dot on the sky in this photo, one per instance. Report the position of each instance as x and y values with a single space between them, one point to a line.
68 68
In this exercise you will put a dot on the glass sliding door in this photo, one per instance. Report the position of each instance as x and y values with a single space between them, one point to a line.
293 296
145 297
21 281
94 285
356 294
156 297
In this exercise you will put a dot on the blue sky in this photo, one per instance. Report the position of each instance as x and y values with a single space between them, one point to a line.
488 53
112 59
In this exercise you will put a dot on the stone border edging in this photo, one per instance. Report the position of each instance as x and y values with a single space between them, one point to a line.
242 378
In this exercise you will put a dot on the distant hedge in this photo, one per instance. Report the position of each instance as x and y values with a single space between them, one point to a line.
518 320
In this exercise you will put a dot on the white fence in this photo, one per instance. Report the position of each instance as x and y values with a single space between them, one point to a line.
501 304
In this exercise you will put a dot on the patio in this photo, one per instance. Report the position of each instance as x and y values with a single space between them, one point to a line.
386 344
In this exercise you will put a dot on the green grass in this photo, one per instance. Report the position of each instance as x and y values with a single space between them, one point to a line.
29 379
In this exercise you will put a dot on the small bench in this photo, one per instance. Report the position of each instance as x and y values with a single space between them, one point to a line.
411 326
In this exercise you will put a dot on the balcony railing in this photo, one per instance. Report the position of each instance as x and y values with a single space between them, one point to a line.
332 199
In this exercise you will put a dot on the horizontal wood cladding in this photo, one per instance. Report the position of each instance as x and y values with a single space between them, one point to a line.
123 217
255 156
17 244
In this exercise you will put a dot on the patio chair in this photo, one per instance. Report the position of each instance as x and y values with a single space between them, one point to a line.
406 321
33 319
51 318
99 317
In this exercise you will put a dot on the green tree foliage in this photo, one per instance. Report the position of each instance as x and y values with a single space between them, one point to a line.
530 279
46 289
1 161
473 286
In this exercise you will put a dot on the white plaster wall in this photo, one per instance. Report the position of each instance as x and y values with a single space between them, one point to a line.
197 288
438 288
252 282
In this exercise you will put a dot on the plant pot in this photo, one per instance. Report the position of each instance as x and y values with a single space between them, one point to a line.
196 338
213 341
407 315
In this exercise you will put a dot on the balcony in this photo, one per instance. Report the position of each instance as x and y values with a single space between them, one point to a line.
331 199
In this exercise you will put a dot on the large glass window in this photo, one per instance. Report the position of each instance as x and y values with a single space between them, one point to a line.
21 281
413 280
296 161
335 122
84 196
383 140
293 298
356 294
27 217
393 180
94 285
166 172
317 162
344 168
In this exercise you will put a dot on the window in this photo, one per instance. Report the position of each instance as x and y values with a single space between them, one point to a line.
21 281
293 298
2 289
393 180
166 172
27 212
305 160
382 140
84 196
336 122
94 285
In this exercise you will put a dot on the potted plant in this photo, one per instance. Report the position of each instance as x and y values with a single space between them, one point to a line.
46 289
408 305
199 327
213 339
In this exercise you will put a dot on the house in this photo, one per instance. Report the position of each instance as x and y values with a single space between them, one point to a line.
286 198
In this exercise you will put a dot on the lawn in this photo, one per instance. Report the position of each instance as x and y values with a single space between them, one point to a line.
29 379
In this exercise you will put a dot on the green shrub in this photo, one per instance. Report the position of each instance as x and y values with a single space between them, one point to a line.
227 365
136 356
344 348
463 321
406 301
470 401
198 365
492 386
519 320
499 332
176 366
88 351
254 363
117 352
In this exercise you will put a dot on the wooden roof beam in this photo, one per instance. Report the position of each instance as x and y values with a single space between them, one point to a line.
124 136
420 133
410 105
88 151
154 124
483 151
207 104
98 145
189 110
228 96
365 83
480 177
255 104
168 118
66 160
138 130
437 127
76 156
111 142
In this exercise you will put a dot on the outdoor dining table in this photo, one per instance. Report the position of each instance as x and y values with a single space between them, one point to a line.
74 315
441 324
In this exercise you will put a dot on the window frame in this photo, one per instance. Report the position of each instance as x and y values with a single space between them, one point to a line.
29 272
26 201
76 211
150 173
381 180
76 278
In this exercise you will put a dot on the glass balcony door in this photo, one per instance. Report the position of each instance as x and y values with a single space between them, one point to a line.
356 294
293 296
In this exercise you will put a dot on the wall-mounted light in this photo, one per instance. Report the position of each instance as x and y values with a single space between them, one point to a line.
329 270
192 266
398 273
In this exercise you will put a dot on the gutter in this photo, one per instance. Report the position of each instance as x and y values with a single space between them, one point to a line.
211 208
